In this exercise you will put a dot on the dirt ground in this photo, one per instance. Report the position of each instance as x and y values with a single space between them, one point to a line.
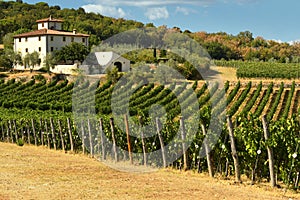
30 172
26 75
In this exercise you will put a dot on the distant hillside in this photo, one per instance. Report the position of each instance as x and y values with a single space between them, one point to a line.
17 17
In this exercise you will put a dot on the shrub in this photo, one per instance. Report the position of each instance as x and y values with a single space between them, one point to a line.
20 142
39 77
3 75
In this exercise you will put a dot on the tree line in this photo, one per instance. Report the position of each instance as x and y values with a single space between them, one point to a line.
18 17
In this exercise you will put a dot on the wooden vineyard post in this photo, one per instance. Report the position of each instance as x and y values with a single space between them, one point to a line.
28 133
270 151
15 129
143 141
70 134
90 138
233 150
102 139
113 138
7 134
23 133
10 131
41 131
61 136
128 138
47 133
53 133
2 129
183 137
297 180
82 137
34 133
161 141
207 152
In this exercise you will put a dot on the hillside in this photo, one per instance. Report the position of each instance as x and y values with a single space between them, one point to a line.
38 173
18 18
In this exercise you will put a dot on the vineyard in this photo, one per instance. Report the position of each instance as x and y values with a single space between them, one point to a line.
263 69
40 113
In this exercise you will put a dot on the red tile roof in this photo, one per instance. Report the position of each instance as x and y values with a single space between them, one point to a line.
42 32
50 19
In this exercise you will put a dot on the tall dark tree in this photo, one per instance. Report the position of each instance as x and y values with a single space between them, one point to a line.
72 52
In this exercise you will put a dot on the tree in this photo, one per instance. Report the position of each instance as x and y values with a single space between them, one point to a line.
218 51
35 59
26 60
112 74
72 52
245 37
49 62
8 41
10 58
31 60
5 62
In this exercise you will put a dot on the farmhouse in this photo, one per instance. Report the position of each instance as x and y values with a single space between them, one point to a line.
98 62
48 38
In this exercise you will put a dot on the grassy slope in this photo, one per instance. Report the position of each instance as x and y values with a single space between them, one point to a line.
38 173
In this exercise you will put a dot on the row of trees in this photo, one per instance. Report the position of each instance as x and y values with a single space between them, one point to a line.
244 46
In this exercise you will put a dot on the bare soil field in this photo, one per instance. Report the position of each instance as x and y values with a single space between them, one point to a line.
31 172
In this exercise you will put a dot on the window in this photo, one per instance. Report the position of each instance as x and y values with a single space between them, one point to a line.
26 39
20 39
43 25
39 38
64 39
40 49
26 50
83 40
51 38
51 49
72 39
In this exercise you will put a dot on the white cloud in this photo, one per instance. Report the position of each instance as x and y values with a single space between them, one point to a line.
146 3
183 10
157 13
278 41
105 10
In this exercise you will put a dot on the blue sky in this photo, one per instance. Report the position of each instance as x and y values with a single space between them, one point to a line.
271 19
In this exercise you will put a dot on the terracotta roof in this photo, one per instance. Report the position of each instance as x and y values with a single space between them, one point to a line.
42 32
50 19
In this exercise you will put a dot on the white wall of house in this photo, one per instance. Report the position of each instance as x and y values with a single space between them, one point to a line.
49 25
98 62
39 44
46 41
65 69
110 59
30 44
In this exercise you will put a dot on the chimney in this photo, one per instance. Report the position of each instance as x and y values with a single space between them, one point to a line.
50 17
74 31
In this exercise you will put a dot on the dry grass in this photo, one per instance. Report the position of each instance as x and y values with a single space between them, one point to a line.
38 173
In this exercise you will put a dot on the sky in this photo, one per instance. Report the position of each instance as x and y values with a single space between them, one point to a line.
270 19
